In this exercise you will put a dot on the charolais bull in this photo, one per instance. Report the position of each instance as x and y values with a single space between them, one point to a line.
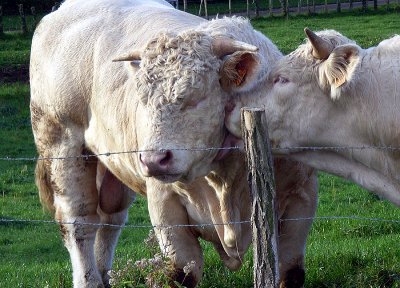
329 93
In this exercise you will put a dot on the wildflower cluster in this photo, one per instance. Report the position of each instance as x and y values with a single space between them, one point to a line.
155 272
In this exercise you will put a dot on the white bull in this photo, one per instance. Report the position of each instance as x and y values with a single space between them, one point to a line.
330 92
85 102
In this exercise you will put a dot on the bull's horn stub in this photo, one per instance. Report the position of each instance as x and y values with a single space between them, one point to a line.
133 56
321 48
225 46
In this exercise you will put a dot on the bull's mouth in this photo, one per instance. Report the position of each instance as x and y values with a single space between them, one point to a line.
168 178
228 145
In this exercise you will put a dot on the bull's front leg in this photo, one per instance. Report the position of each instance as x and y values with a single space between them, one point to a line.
179 244
233 195
106 241
75 201
115 199
300 203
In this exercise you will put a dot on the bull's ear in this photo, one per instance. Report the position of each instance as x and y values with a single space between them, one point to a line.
239 71
340 66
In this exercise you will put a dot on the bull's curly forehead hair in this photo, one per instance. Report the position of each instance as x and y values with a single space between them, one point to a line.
175 66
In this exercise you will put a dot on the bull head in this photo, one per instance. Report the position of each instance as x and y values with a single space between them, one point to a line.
235 69
339 63
220 46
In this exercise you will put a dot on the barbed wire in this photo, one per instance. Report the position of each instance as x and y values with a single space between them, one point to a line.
158 226
107 154
201 225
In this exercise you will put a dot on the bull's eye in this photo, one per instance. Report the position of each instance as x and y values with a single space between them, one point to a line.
280 79
193 102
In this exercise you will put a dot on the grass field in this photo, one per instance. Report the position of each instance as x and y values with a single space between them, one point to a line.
222 7
340 252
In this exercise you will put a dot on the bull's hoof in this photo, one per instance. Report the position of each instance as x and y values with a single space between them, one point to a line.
187 280
294 278
232 263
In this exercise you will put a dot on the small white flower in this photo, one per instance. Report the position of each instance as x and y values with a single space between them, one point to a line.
189 267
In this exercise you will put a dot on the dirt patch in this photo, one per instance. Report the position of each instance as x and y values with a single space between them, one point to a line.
10 74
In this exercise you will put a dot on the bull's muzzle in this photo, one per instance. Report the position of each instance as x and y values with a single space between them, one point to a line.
158 164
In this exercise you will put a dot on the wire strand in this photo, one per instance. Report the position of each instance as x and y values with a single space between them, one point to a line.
164 226
107 154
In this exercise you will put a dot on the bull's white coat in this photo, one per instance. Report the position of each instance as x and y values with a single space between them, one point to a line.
350 99
83 103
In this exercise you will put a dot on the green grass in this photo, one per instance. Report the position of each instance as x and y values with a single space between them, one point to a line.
222 7
14 23
367 29
340 252
14 49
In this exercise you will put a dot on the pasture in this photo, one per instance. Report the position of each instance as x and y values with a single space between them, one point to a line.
341 252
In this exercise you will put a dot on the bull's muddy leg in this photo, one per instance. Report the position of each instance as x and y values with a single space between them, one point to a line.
75 202
293 234
106 241
178 243
115 199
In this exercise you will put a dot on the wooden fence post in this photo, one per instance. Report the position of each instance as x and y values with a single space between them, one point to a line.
271 6
256 8
204 3
262 186
285 8
364 5
24 27
55 6
338 6
201 5
33 11
1 20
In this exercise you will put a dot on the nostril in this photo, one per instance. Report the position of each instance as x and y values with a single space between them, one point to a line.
167 158
141 158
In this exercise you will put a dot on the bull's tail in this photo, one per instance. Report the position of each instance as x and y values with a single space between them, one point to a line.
42 180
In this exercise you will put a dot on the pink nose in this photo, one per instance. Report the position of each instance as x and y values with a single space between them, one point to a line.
156 163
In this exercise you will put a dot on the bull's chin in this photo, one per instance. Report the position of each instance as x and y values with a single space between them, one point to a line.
172 177
167 178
